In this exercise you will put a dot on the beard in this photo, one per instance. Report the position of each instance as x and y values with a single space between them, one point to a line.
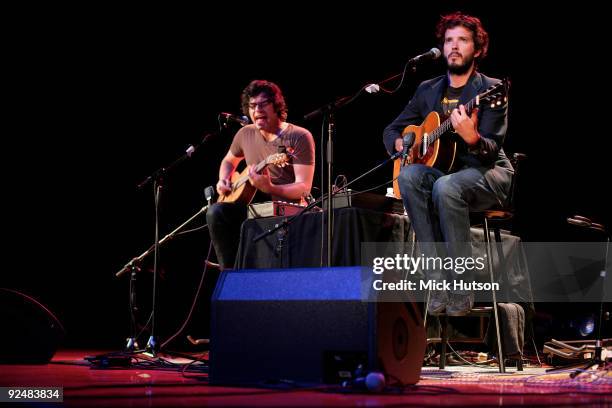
462 68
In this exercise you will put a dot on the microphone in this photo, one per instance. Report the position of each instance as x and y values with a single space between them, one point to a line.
433 54
242 120
374 381
407 143
209 193
372 88
578 222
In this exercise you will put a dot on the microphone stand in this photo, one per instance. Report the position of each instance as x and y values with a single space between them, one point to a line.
157 178
160 173
133 264
287 221
330 194
151 347
330 109
596 360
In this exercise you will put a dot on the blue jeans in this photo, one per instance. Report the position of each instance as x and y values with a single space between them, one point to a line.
439 206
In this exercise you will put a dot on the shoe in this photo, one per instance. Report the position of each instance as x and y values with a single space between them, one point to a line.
459 305
437 302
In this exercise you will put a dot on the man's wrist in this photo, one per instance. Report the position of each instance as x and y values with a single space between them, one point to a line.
477 146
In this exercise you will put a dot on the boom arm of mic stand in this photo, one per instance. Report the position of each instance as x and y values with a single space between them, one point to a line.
320 200
170 235
330 106
161 172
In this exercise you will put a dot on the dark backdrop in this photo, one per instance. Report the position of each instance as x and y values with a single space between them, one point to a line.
100 98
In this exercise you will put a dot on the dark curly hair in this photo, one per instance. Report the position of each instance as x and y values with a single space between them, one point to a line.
271 90
480 36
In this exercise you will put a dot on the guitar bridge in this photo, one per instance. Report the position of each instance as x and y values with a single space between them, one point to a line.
424 144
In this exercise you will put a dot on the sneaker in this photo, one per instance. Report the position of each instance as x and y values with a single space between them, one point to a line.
437 302
459 305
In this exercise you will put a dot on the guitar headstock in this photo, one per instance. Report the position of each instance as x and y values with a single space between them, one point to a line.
495 95
278 159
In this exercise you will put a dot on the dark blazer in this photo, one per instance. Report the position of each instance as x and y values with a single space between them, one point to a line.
492 126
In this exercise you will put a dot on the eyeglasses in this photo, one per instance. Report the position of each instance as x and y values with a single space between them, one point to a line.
261 104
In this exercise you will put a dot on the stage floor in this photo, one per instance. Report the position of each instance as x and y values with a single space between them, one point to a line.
168 386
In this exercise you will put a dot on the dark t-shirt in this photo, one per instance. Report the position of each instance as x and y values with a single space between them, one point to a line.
451 99
450 102
251 145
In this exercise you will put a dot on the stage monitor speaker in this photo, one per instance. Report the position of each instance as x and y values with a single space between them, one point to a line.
309 325
31 333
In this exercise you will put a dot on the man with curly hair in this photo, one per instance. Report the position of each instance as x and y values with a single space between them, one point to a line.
438 203
264 104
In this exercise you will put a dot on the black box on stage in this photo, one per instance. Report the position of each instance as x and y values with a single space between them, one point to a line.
309 325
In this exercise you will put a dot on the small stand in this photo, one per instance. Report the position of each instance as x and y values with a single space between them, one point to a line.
328 111
596 359
157 178
132 344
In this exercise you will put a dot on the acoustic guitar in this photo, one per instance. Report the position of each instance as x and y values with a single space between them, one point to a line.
430 147
242 190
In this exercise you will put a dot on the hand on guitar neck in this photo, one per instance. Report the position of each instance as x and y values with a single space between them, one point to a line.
243 186
260 180
465 125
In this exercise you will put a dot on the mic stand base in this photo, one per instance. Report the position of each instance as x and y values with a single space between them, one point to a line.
131 345
151 347
596 360
583 365
132 348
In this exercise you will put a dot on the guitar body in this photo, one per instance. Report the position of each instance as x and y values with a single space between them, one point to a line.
243 193
440 154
